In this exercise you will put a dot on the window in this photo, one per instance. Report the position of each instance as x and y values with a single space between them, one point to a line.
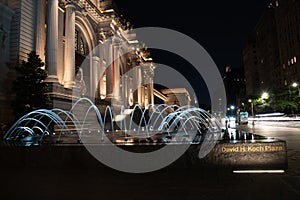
79 43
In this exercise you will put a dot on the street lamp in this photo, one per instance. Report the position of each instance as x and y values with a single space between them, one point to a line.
232 108
265 95
252 111
295 85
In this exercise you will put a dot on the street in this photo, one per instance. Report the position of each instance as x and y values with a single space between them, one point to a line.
90 182
288 131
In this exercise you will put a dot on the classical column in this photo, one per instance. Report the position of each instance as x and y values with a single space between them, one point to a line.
110 69
94 76
146 85
61 46
40 29
142 87
150 74
102 77
139 85
131 99
151 91
116 72
69 72
51 40
125 90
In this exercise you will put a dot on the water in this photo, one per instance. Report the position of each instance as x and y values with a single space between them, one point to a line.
157 124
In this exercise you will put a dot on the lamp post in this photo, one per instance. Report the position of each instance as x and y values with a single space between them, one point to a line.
296 85
265 95
232 109
252 111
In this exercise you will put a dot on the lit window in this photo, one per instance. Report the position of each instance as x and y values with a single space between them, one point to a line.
295 59
277 3
289 63
292 61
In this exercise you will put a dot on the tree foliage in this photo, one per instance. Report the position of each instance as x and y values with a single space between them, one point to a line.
29 86
284 100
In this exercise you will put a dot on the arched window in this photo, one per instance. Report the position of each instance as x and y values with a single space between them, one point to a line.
80 46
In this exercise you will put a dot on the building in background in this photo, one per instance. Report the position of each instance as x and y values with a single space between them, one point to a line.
250 61
234 82
69 36
271 55
261 57
287 16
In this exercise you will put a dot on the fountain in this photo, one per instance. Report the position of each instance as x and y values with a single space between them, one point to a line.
157 132
157 124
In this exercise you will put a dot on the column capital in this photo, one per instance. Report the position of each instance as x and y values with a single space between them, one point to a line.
70 4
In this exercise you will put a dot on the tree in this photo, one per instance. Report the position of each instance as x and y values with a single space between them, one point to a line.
262 105
285 100
29 86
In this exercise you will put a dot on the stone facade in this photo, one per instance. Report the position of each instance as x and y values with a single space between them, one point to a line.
85 36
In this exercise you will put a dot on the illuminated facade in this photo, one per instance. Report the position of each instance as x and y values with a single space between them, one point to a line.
69 36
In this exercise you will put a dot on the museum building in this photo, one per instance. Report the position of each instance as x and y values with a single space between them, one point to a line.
86 46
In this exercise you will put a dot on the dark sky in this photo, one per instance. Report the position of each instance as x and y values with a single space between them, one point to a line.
221 27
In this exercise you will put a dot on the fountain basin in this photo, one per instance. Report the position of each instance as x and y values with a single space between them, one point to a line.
258 154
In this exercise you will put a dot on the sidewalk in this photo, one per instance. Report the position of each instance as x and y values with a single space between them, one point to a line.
179 184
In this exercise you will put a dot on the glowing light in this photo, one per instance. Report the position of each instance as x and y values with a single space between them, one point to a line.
295 84
270 114
265 95
148 59
258 171
133 41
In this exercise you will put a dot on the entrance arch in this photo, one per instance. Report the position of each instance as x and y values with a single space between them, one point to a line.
84 27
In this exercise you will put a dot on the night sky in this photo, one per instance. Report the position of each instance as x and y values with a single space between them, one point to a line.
221 27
